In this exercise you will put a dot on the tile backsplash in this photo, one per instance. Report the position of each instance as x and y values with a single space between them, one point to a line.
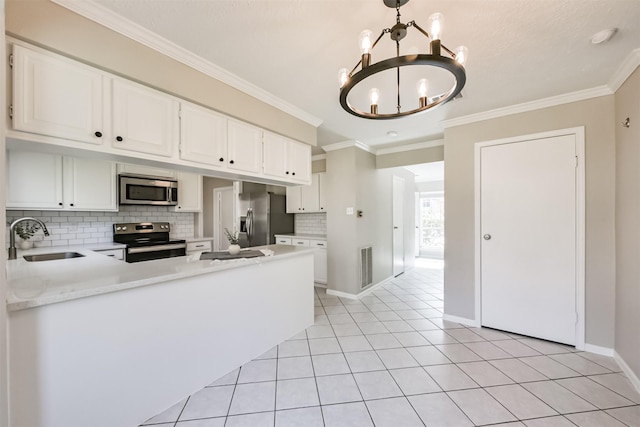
311 223
75 227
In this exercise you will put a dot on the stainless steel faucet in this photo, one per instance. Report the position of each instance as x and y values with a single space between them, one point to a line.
12 233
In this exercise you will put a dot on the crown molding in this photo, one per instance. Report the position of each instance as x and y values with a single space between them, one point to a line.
530 106
628 66
107 18
410 147
347 144
318 157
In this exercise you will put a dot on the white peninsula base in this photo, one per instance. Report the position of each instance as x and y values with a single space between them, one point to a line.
119 358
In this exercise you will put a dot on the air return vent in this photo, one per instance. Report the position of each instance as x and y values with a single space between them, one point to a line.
365 267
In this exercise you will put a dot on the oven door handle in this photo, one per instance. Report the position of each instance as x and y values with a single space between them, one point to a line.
156 248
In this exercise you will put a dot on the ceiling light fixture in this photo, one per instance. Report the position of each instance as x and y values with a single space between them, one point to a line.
451 61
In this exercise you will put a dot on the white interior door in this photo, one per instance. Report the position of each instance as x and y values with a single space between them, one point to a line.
223 216
398 225
528 247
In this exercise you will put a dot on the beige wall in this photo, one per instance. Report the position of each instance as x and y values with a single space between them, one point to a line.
54 27
354 181
597 116
412 157
208 184
318 166
627 343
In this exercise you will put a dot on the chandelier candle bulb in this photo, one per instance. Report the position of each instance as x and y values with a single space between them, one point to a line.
374 96
343 76
461 54
365 47
436 22
423 88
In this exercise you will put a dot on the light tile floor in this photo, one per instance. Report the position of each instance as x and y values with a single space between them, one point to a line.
390 359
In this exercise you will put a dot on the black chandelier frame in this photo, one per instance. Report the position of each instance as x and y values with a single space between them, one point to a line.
434 59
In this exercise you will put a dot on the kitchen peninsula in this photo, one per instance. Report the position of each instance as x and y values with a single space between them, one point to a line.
125 341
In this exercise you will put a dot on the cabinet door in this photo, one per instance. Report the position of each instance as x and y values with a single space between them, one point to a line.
310 196
89 185
203 135
57 97
127 168
294 200
34 180
245 147
189 192
276 155
300 162
320 266
144 120
322 192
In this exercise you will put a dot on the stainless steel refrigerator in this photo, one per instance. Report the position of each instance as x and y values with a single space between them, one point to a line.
263 216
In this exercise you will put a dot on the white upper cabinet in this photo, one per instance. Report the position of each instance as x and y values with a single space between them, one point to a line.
144 120
58 97
305 198
286 159
89 185
322 191
203 135
245 147
189 192
300 162
128 168
34 180
42 181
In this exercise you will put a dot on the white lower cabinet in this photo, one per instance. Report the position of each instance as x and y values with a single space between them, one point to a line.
203 245
113 253
42 181
319 257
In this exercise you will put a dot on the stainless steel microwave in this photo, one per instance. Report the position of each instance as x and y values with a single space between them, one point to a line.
148 190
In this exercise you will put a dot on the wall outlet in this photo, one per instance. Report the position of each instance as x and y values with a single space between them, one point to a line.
349 211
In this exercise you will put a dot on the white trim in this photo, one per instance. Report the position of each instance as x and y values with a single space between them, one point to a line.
318 157
361 294
580 222
109 19
348 144
410 147
603 351
461 320
633 377
628 66
529 106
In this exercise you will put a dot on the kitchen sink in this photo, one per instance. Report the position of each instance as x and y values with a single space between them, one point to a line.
53 256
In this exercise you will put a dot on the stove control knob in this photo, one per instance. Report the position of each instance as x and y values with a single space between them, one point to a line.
118 228
124 228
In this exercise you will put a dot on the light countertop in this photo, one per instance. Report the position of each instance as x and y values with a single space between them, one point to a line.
304 236
33 284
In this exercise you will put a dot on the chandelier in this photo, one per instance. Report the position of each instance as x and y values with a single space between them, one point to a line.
452 62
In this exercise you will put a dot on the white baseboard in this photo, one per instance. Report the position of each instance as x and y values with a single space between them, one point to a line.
633 377
320 285
361 294
461 320
603 351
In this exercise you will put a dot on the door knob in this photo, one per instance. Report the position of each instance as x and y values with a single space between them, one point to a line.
487 237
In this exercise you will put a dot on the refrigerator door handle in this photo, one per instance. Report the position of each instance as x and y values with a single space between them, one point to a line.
249 224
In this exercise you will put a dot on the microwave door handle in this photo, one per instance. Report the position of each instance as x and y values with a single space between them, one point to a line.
169 194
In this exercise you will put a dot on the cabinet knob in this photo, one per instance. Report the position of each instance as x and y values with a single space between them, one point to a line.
179 207
70 204
98 134
293 173
287 172
222 159
231 161
60 204
119 138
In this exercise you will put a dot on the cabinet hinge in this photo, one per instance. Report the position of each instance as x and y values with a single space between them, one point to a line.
180 147
11 60
11 111
576 161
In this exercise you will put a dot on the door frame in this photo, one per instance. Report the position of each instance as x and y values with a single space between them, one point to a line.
400 181
216 215
579 134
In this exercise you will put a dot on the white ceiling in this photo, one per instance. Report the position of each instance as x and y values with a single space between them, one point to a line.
520 50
